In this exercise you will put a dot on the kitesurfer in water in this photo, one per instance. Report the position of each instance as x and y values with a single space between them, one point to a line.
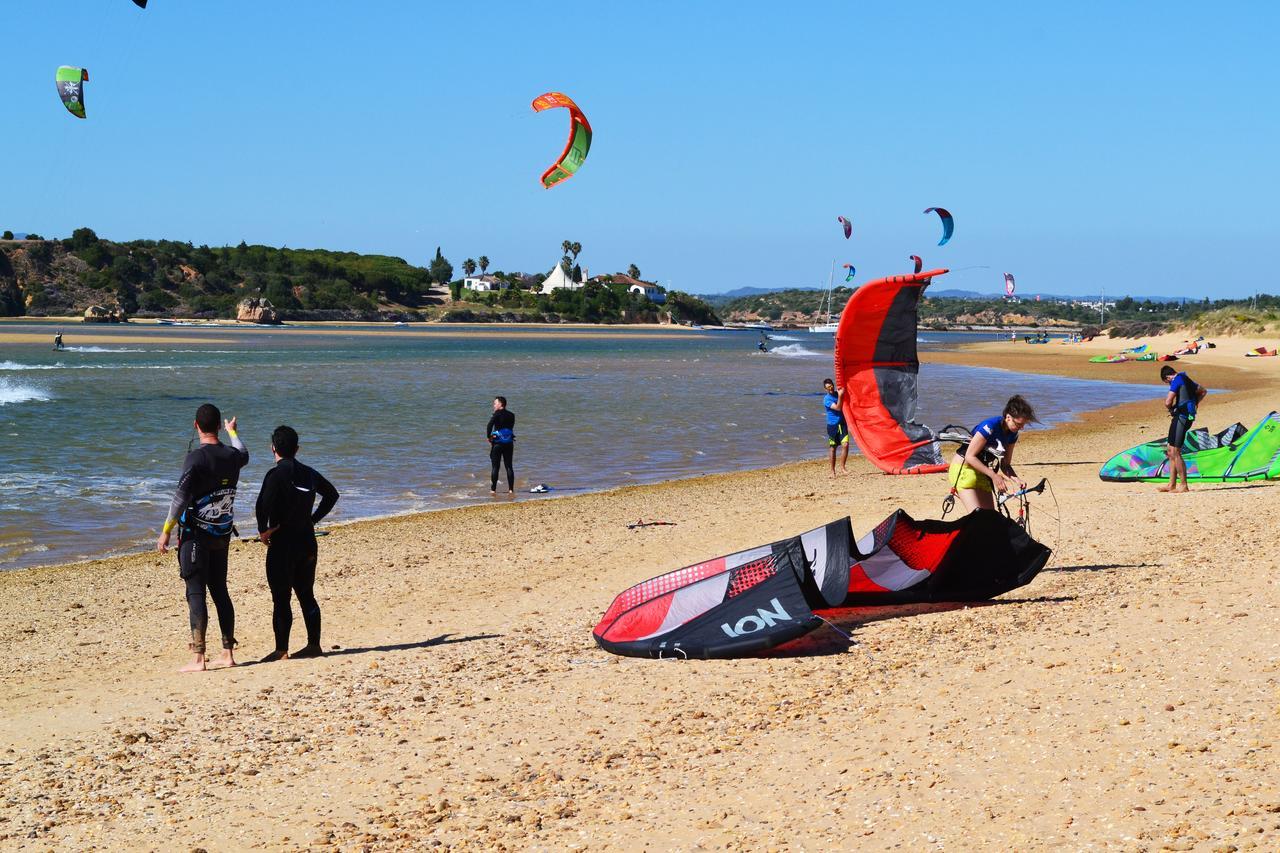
287 518
984 466
502 437
203 511
837 429
760 346
1181 401
57 341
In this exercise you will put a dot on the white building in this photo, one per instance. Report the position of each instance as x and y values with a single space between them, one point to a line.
654 292
484 283
559 280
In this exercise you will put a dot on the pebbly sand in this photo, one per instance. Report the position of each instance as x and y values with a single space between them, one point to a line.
1129 698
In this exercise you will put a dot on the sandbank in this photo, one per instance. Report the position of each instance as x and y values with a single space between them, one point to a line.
1128 698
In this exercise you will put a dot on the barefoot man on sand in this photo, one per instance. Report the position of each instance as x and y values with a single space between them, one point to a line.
202 510
1181 401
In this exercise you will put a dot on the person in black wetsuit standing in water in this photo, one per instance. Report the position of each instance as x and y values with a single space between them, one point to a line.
502 441
203 511
287 517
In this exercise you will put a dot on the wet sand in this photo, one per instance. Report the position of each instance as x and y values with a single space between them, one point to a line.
1128 698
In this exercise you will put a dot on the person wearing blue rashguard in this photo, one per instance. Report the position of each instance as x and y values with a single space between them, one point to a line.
837 429
1181 401
984 466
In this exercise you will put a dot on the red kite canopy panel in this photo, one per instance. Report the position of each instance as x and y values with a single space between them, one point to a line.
763 597
878 367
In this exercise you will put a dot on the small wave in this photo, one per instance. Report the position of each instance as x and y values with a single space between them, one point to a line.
13 392
797 351
783 338
57 365
100 349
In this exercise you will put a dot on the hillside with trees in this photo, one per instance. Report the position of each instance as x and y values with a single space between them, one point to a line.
163 279
804 307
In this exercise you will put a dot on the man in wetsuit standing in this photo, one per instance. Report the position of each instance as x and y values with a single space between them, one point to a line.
203 511
287 518
1181 401
502 437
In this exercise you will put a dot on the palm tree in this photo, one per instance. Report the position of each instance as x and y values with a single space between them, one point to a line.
484 264
566 247
574 250
566 264
469 267
634 272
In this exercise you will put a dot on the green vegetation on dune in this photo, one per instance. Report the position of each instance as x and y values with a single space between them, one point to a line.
1127 316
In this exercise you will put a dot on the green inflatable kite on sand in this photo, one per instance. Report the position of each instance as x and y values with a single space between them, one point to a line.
1231 455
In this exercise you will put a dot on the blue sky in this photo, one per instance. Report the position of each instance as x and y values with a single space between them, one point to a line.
1128 145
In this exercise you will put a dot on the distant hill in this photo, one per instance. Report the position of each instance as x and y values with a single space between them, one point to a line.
165 278
718 299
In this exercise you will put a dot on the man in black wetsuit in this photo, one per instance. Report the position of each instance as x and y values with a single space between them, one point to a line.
203 511
287 524
501 432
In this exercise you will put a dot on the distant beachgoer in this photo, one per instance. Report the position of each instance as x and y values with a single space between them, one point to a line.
502 440
760 346
837 429
984 466
287 517
57 341
203 511
1181 401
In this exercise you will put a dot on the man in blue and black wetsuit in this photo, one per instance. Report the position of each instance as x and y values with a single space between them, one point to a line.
287 518
1181 401
837 429
501 432
203 511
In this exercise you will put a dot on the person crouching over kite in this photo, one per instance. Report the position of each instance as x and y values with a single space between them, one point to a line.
984 466
837 429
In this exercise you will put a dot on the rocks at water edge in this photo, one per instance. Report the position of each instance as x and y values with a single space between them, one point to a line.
257 309
99 314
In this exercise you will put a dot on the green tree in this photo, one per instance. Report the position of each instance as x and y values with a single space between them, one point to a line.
574 249
469 267
484 264
455 290
566 247
81 238
8 235
441 269
633 271
576 275
566 264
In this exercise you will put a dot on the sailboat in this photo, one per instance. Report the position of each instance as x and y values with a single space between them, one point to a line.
829 327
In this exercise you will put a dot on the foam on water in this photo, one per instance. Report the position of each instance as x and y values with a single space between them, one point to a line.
15 392
784 338
797 351
58 365
100 349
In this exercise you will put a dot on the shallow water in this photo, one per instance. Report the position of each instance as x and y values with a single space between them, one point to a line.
92 437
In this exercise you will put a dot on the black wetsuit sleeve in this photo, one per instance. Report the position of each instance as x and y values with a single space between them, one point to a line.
328 497
268 505
191 467
488 429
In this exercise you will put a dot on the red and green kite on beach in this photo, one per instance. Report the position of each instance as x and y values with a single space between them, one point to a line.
575 151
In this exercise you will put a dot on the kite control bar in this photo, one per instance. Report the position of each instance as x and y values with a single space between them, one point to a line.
1037 489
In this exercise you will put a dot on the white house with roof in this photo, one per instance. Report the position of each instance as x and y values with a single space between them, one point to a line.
484 283
653 292
559 280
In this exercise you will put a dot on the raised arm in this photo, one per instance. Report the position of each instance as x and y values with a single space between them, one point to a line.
328 497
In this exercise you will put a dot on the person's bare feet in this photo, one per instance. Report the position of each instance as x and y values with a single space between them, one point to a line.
227 659
1165 489
196 665
1182 489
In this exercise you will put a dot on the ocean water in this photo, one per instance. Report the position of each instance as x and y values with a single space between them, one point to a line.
92 438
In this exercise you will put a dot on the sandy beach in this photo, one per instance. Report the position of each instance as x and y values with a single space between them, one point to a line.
1129 698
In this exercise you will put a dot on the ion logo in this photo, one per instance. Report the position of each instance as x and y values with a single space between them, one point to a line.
749 624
